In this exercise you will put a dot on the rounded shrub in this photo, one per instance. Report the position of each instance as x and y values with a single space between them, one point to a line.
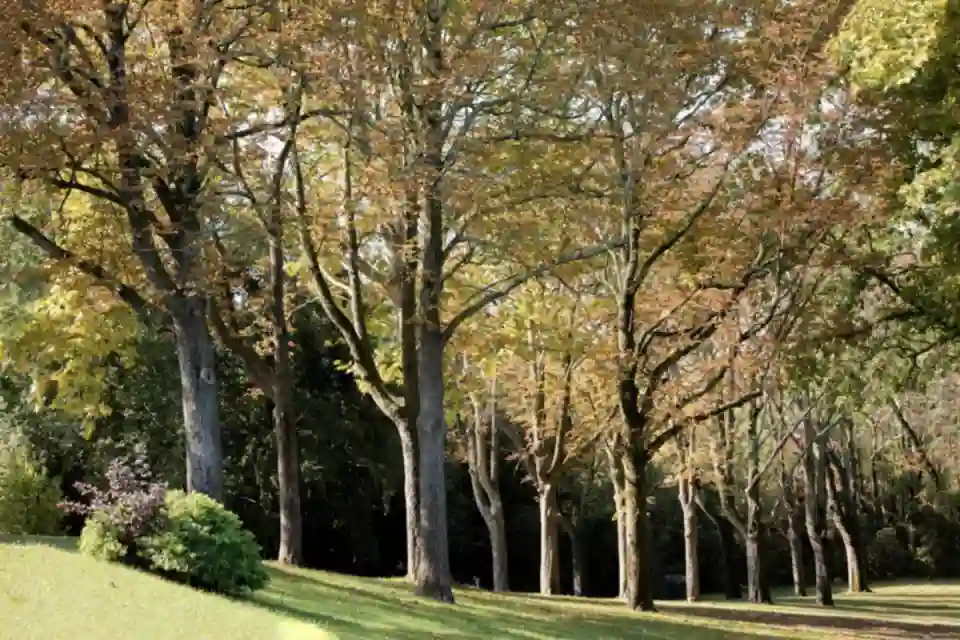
29 499
204 545
101 540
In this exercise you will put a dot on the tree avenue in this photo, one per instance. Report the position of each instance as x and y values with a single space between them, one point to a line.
613 278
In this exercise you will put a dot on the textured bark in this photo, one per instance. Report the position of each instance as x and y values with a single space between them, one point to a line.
814 481
795 542
793 527
691 559
497 528
433 570
483 462
198 384
843 510
284 420
288 475
637 536
411 495
758 588
615 473
570 526
549 540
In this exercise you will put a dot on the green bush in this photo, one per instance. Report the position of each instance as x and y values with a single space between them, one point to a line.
29 500
205 545
101 540
888 556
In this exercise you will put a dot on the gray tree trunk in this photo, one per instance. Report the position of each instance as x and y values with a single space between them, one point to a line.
639 592
433 570
411 497
814 481
796 555
198 385
691 539
549 540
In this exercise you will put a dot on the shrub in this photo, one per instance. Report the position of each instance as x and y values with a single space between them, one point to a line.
206 546
29 500
888 556
131 508
100 540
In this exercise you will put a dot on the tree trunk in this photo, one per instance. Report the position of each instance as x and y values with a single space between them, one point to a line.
483 462
621 553
549 540
639 592
814 483
409 359
758 591
616 480
411 497
498 549
690 539
198 385
570 527
796 554
284 420
844 517
433 570
288 476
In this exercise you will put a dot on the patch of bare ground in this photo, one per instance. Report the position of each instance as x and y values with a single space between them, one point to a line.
848 625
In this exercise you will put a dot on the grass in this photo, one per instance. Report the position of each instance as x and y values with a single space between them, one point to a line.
48 593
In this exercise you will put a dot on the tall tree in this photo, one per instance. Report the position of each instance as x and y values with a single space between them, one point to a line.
120 101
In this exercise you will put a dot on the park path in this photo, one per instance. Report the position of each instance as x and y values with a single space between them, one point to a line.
848 625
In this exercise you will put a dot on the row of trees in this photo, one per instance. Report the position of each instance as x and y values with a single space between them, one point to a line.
575 231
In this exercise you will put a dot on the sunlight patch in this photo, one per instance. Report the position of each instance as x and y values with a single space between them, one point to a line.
296 630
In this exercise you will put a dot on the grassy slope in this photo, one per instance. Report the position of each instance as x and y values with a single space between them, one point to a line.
48 593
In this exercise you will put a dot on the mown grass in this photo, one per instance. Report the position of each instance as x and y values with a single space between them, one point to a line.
48 592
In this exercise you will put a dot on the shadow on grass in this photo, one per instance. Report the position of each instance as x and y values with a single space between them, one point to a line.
945 608
843 619
389 610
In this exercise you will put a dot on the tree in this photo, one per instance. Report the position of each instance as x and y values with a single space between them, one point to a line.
429 99
92 82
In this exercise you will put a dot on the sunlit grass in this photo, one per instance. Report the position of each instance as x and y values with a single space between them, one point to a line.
47 592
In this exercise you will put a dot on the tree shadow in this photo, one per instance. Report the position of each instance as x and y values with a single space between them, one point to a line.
391 610
837 622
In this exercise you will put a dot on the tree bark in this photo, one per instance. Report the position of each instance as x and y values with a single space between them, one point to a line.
284 422
796 554
758 589
615 471
411 496
639 592
198 385
843 511
549 540
483 462
814 464
433 570
691 558
288 476
570 525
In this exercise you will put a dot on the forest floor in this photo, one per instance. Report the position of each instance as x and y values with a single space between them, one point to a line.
49 593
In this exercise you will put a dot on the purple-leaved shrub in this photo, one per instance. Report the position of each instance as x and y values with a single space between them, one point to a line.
131 506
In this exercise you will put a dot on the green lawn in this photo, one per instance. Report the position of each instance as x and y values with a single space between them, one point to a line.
47 592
